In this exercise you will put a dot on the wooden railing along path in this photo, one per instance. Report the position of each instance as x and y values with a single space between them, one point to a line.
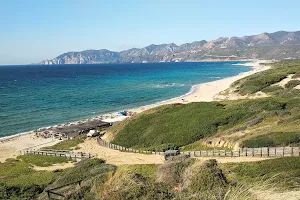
59 153
242 152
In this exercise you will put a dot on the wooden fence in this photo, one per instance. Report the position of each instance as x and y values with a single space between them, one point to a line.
59 153
243 152
54 191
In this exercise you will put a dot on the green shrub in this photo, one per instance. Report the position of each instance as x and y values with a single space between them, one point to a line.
170 127
19 181
262 80
284 172
272 89
205 177
42 161
93 173
291 84
136 182
67 144
273 140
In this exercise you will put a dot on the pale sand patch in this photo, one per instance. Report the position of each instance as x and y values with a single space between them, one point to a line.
120 158
207 91
274 195
283 82
11 148
54 167
117 157
297 87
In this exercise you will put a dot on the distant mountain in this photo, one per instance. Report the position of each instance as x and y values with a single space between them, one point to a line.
278 45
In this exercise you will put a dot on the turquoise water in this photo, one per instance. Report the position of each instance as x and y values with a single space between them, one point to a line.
34 96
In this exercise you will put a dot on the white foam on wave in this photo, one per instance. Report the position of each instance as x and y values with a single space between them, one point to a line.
166 85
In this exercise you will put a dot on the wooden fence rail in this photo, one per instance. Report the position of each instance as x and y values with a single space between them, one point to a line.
66 154
242 152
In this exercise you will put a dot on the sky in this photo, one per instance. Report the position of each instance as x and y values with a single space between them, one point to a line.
35 30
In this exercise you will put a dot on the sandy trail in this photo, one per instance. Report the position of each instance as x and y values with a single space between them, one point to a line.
275 195
117 157
12 147
54 167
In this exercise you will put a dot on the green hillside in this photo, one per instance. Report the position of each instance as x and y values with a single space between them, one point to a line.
178 125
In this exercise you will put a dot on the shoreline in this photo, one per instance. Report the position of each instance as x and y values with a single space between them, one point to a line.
206 92
198 93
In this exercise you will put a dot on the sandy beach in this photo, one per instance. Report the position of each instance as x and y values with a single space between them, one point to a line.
208 91
10 148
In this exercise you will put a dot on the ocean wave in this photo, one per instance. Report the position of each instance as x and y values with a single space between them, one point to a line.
166 85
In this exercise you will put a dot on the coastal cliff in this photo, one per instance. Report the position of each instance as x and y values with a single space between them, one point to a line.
278 45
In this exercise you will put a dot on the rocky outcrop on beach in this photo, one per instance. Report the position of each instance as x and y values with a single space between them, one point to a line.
278 45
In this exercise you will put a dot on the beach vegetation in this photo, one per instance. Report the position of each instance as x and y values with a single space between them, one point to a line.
277 139
259 81
67 144
283 173
19 181
174 126
42 161
93 174
291 84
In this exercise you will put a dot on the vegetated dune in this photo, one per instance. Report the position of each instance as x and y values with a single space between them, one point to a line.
224 124
182 178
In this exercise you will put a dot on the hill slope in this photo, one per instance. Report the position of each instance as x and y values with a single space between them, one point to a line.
270 121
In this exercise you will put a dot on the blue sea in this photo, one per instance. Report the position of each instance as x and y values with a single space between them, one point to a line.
33 96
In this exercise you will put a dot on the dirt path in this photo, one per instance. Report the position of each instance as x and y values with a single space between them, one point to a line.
274 195
117 157
54 167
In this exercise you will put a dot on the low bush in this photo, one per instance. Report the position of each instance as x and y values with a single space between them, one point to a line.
19 181
272 89
283 172
263 80
170 127
67 144
291 84
273 140
42 161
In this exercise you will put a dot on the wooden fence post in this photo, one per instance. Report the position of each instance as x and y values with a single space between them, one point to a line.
292 153
239 152
246 152
268 152
275 152
283 152
260 152
253 152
